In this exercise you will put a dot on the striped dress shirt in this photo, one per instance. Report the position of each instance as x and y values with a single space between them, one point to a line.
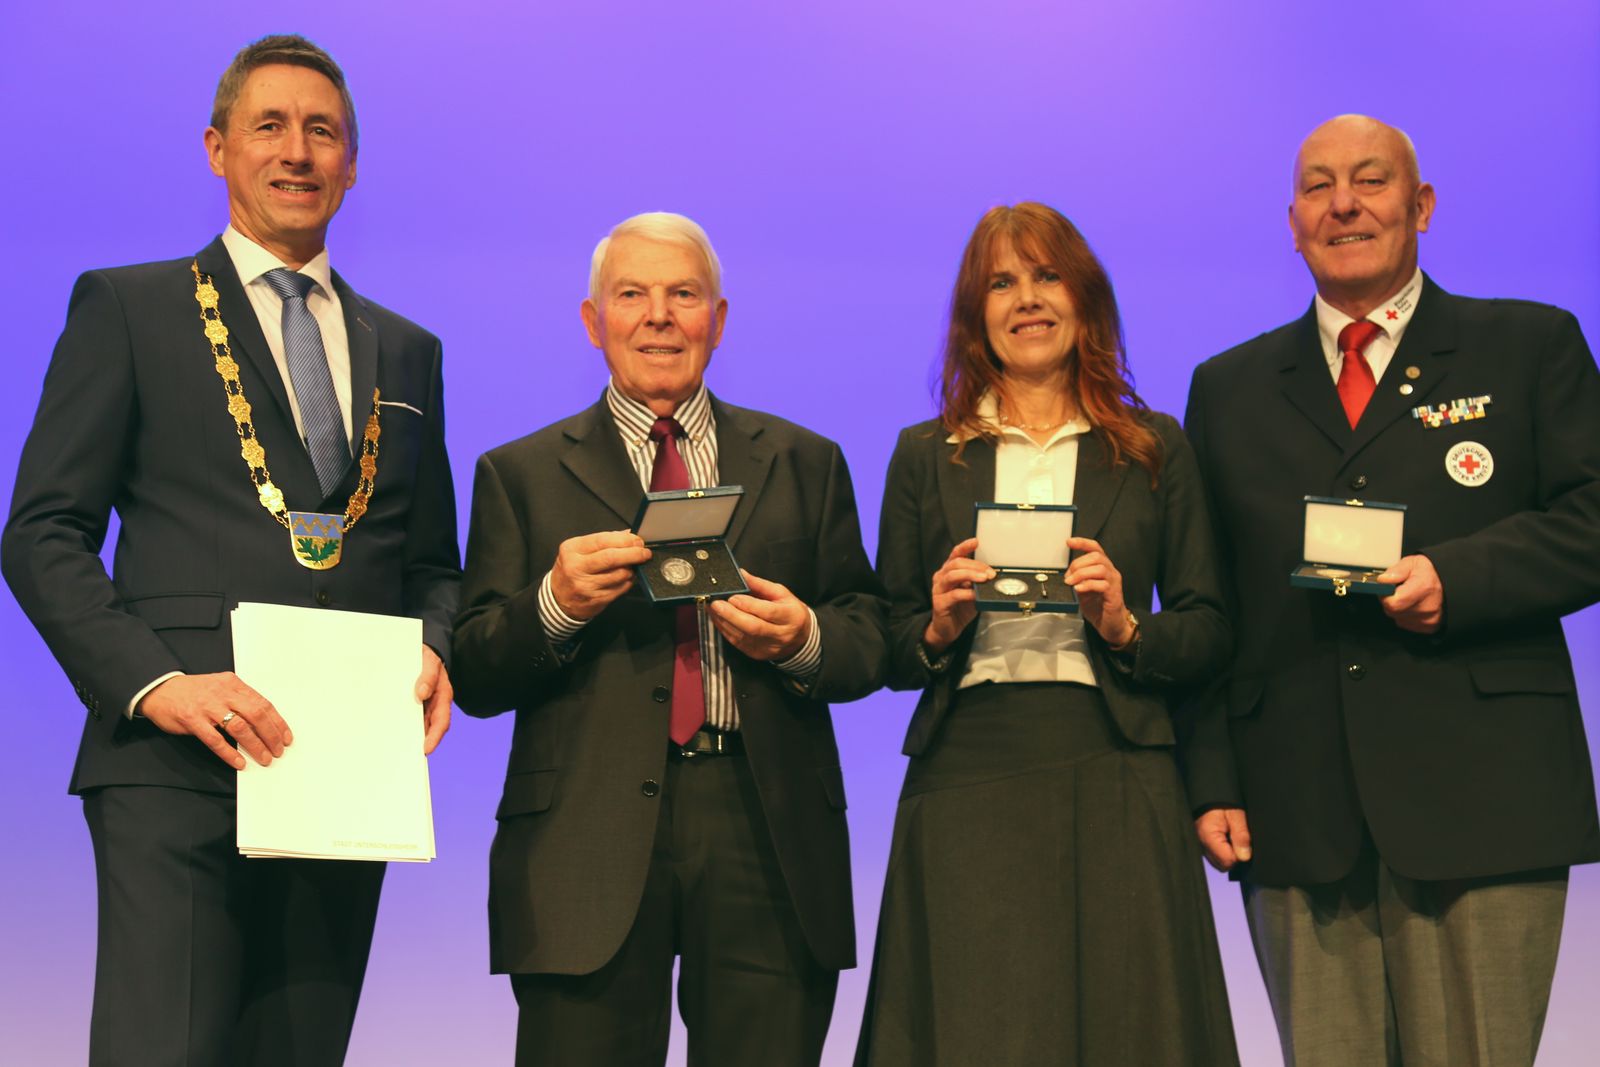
699 451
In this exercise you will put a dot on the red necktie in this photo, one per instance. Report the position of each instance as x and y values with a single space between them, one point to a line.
1356 383
688 698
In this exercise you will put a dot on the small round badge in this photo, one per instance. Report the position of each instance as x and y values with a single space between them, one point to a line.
677 571
1469 463
1010 587
701 553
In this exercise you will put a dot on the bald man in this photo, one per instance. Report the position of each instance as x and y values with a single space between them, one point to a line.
1401 782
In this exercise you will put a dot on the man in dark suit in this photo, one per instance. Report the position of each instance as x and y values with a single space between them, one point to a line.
1406 776
674 786
172 388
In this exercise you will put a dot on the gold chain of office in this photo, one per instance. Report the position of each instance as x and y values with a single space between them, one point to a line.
255 457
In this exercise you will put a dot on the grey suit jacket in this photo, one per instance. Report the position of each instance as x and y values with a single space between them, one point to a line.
1160 539
133 418
579 809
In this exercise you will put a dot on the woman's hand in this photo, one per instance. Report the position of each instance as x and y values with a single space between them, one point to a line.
1098 584
955 603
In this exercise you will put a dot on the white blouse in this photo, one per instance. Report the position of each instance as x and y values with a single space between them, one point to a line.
1048 646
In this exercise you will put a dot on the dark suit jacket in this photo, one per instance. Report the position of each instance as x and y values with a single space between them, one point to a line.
579 810
133 417
1160 539
1463 752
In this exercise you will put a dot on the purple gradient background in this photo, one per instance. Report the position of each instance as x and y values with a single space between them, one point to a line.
839 155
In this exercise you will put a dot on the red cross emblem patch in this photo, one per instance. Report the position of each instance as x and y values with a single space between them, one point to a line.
1468 463
1391 314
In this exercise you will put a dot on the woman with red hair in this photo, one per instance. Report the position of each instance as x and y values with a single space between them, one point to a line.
1045 901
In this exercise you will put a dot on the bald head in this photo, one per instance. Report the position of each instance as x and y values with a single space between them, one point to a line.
1359 204
1391 140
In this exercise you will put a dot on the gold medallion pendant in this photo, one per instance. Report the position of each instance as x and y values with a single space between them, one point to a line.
317 539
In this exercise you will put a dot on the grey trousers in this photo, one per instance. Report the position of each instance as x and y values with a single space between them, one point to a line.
1378 969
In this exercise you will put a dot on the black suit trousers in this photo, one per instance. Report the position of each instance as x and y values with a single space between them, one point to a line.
749 989
209 959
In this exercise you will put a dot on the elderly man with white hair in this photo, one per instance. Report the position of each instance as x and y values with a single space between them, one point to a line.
673 790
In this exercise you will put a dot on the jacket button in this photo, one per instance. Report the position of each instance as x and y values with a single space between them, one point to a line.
323 598
661 693
1356 672
650 787
1359 482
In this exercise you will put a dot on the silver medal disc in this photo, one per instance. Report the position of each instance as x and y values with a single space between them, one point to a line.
677 571
1010 587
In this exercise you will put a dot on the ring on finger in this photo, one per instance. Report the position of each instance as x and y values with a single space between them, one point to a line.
226 719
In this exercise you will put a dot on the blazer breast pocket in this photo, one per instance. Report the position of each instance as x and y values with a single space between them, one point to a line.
191 625
527 793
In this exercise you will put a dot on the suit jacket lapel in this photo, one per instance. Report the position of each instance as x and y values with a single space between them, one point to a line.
961 485
743 458
1096 487
361 333
595 457
1429 338
1308 385
274 420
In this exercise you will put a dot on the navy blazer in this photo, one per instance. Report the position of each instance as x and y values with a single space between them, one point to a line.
1462 753
133 418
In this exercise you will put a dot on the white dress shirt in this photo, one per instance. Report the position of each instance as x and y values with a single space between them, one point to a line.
699 450
252 261
1392 317
1045 646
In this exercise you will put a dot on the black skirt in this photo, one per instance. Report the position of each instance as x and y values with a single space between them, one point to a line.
1045 901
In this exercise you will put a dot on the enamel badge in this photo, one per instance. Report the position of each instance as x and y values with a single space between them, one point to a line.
316 539
1468 463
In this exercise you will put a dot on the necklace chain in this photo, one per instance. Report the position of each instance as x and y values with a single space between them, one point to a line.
254 455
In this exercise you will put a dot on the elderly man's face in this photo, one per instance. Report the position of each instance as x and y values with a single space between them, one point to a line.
287 159
1357 211
657 320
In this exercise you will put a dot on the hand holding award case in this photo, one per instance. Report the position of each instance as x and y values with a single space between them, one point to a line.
1026 544
686 531
1348 543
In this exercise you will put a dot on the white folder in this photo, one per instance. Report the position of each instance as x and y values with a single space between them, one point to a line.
354 784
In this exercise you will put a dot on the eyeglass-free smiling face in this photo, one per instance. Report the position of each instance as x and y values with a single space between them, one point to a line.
657 319
1357 210
286 158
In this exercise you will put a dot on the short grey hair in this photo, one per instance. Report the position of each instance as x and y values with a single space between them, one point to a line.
289 49
664 226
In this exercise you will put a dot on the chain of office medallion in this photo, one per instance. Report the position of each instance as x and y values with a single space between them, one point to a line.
255 457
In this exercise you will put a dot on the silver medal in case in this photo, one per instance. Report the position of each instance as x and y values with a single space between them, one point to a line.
677 571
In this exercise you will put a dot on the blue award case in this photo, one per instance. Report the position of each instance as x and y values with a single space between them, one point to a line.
1348 543
1026 544
686 531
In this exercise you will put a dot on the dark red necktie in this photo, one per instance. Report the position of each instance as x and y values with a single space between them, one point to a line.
1356 383
688 698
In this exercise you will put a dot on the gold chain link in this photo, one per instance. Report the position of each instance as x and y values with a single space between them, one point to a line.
255 457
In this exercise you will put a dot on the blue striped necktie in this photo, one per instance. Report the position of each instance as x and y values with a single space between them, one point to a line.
313 384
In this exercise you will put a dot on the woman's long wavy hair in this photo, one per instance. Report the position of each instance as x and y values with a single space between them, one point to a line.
1097 368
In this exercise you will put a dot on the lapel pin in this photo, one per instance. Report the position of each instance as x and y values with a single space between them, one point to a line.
1405 389
1413 373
